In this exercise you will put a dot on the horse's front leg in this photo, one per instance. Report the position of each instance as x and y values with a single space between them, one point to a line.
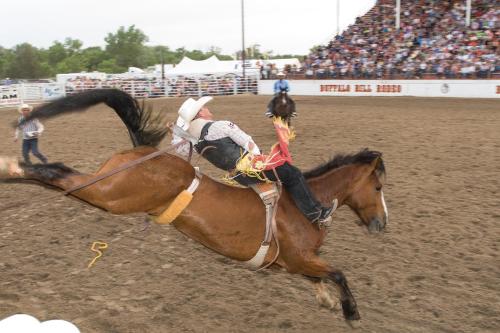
317 269
349 306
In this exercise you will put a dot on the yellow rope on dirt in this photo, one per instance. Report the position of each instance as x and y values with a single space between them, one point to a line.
97 247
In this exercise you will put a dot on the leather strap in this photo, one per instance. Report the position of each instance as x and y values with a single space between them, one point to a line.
122 167
274 228
271 232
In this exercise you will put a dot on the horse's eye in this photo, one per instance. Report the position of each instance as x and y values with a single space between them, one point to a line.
378 188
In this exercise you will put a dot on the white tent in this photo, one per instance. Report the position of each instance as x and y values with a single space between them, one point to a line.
208 66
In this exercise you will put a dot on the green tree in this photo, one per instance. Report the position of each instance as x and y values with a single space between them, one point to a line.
126 46
6 57
197 55
93 57
72 64
26 63
56 53
73 46
109 66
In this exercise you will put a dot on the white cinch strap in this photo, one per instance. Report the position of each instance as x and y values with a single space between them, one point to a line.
194 185
258 259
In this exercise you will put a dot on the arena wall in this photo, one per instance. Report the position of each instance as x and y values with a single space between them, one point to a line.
417 88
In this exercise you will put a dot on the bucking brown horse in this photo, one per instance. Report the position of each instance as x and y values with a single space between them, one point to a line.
229 220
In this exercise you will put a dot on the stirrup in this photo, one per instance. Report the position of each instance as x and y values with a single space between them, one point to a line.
327 220
324 222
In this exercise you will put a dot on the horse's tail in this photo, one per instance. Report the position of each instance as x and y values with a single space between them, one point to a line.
144 127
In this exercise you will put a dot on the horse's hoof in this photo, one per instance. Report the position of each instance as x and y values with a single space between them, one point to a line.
328 302
350 312
9 167
354 324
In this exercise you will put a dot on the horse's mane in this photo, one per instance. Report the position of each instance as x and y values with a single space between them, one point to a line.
365 156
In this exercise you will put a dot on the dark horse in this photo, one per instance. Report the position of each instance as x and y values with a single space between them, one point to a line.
228 220
283 106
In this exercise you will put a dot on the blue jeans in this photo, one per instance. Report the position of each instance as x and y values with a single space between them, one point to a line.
32 145
295 184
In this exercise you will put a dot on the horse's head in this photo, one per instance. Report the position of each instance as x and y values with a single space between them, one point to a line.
283 106
367 197
357 181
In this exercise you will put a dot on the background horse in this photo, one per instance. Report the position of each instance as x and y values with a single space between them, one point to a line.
283 106
228 220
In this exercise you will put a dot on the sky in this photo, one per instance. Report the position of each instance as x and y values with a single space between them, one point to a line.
284 26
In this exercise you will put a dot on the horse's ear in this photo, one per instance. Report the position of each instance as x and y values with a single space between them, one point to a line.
375 162
378 167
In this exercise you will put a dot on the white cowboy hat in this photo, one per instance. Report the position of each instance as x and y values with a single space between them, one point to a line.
190 108
24 107
281 74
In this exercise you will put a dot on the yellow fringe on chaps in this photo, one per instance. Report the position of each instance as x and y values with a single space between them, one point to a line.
176 207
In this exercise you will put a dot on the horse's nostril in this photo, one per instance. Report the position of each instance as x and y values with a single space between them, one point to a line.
376 226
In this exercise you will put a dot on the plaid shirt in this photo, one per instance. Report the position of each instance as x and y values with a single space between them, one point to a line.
31 129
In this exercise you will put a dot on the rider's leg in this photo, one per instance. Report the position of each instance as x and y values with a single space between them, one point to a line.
245 180
295 183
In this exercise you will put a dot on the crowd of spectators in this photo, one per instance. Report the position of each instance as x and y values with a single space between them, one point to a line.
433 42
172 87
269 70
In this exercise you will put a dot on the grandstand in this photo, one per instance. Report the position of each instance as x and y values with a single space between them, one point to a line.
433 41
428 40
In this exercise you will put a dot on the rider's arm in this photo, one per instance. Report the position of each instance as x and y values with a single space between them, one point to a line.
287 86
182 146
241 138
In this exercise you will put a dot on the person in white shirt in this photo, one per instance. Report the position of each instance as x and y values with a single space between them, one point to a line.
31 131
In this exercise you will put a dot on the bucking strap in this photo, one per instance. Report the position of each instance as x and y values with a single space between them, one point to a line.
179 204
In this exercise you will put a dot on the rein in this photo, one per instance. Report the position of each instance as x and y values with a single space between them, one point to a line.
123 167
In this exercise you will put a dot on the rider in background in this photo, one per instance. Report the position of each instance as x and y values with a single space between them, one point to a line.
279 86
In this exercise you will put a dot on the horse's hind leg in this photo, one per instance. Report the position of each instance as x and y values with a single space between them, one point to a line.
324 296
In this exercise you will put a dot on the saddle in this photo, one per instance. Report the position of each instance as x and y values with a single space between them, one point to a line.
270 194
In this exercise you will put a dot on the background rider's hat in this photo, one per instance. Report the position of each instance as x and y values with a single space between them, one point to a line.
190 108
24 107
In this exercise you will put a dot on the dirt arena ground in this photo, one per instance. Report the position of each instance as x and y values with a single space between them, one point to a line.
436 269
